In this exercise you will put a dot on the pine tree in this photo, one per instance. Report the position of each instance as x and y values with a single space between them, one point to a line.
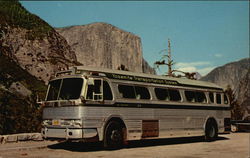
236 110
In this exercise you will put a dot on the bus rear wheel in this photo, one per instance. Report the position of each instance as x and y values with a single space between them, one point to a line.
211 130
113 136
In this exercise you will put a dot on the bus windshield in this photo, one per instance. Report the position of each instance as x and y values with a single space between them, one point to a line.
65 89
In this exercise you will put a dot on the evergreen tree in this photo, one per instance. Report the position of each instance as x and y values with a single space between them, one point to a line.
236 109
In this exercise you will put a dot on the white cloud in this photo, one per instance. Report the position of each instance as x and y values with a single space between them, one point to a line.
203 71
218 55
206 70
188 69
192 64
202 67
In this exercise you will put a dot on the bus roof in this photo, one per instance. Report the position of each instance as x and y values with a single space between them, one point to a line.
142 77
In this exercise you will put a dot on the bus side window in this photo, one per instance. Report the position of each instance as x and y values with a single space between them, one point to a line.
190 96
201 97
218 98
211 97
107 93
162 94
174 95
127 91
225 99
142 92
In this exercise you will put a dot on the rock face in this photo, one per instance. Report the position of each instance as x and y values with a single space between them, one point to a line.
104 45
31 52
237 76
32 43
243 92
40 57
146 68
229 74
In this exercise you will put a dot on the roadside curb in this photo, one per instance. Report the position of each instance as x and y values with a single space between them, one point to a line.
23 148
20 137
26 145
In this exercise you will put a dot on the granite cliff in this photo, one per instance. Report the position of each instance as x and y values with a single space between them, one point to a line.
229 74
237 76
104 45
32 43
31 51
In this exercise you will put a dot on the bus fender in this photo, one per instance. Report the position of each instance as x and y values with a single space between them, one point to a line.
208 118
117 118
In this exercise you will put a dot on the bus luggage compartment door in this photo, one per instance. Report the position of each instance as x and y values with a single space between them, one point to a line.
150 128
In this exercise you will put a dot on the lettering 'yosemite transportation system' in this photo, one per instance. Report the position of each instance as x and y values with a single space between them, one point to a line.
113 106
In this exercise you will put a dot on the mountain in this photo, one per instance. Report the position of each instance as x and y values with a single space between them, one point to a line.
244 92
31 51
32 43
104 45
237 76
229 74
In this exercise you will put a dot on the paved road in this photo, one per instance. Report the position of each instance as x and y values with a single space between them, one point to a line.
235 145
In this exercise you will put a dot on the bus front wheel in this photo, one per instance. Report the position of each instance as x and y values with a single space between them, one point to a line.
211 130
113 136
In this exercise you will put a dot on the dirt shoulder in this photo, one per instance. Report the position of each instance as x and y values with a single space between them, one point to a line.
230 146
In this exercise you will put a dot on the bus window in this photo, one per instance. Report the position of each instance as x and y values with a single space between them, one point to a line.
211 97
218 98
162 94
190 96
174 95
225 99
142 92
127 91
195 96
95 90
71 88
200 97
107 93
54 87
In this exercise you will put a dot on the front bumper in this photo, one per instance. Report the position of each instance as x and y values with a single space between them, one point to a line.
68 133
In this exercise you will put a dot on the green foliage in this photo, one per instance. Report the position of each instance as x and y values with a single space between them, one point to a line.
236 109
19 114
10 72
15 15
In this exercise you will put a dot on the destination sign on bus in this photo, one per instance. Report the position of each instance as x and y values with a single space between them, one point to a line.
141 79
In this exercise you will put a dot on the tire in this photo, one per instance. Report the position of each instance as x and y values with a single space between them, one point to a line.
113 136
211 130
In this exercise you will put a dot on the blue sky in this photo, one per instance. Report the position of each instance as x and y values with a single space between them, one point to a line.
203 34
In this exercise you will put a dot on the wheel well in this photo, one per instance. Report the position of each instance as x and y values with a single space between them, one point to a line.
211 120
117 119
120 121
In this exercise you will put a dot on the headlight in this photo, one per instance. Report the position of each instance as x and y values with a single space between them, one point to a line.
69 123
47 122
76 123
73 123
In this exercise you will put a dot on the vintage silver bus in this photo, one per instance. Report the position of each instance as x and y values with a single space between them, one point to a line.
114 106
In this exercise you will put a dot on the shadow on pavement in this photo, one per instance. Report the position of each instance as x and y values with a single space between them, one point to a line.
91 147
